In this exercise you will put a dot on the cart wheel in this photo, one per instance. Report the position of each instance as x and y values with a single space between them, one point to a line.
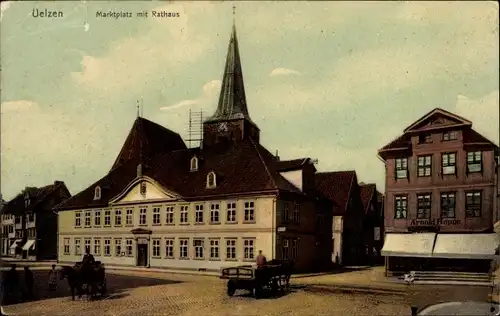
231 288
257 292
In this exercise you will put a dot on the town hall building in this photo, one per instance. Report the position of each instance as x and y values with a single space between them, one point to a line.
164 205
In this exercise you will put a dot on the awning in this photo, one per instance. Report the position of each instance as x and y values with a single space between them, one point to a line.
466 246
14 244
30 244
408 245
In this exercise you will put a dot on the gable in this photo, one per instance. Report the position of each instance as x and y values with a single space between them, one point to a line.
144 189
437 118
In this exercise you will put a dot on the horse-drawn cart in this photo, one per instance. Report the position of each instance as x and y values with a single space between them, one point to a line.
272 277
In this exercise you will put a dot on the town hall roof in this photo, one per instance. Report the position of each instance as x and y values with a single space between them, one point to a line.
241 168
148 139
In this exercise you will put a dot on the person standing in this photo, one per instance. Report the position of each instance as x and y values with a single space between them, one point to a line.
28 283
53 278
261 260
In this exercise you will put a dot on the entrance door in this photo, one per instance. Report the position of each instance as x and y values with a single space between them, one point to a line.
142 255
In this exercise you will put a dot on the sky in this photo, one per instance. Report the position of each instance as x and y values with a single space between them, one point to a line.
334 81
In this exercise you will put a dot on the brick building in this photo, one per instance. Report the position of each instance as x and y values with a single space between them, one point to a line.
440 196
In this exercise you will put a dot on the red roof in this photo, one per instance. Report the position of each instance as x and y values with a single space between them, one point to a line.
336 186
241 168
148 139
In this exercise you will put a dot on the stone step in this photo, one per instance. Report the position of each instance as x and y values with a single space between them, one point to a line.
449 273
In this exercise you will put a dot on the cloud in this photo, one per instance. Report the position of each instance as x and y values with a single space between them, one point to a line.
283 72
483 113
4 5
210 90
133 62
18 105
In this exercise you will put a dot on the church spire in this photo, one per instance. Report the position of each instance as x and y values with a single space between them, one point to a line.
232 100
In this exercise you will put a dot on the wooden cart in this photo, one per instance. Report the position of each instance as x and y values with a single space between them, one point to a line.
269 277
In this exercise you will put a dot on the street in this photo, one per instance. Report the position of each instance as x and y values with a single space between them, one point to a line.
144 293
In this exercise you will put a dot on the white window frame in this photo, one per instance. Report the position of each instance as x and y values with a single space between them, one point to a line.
184 214
474 161
87 242
169 248
143 216
449 165
118 247
97 218
249 212
214 248
78 246
67 246
296 213
97 247
184 248
169 215
211 180
156 248
107 247
129 247
199 248
88 219
193 165
118 218
199 214
231 249
215 210
248 249
78 219
129 219
156 216
231 214
107 218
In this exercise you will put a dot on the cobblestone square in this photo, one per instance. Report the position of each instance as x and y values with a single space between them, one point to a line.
166 294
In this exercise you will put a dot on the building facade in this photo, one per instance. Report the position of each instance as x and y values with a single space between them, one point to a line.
29 225
168 206
373 224
440 195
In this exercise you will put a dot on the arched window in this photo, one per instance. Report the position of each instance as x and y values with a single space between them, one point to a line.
211 181
97 193
194 164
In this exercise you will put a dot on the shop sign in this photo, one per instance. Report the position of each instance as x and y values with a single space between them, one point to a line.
435 222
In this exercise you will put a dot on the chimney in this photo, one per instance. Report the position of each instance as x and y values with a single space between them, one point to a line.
57 182
277 157
139 170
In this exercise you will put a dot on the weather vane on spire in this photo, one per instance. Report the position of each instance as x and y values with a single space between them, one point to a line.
234 13
137 108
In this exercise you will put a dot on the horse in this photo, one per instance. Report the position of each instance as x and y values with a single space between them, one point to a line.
74 280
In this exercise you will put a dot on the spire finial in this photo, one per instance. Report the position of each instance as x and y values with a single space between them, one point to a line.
234 14
137 108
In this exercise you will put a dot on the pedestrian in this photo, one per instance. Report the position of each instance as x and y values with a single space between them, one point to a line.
11 285
28 283
53 278
261 260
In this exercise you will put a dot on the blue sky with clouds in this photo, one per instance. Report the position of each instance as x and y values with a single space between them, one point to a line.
329 80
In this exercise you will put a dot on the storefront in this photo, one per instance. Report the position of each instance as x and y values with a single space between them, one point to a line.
439 252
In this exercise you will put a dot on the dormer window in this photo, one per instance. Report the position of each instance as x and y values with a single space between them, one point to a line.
425 139
97 193
194 164
26 200
211 181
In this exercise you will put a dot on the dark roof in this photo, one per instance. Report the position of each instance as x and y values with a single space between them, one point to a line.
148 139
336 186
366 194
36 195
232 99
285 165
403 141
470 136
241 167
